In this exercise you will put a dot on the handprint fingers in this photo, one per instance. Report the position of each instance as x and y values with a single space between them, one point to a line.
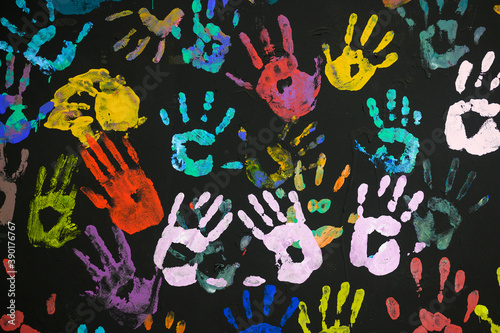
92 269
286 32
8 184
350 28
256 60
105 255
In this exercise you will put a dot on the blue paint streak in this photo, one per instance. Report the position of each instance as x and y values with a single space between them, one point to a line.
246 304
269 292
294 304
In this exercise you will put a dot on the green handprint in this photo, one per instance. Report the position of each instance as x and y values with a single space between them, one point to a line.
57 199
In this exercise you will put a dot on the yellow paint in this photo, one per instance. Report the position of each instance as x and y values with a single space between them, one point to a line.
169 319
325 235
498 275
483 313
148 323
116 105
338 71
307 130
303 317
320 165
340 181
342 296
353 218
496 8
298 179
359 296
324 306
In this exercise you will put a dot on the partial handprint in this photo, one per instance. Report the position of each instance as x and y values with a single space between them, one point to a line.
393 4
8 184
115 276
341 298
169 321
116 105
339 71
57 199
283 157
487 139
161 29
269 292
134 204
18 127
286 99
196 54
42 37
386 260
180 160
483 313
406 162
284 235
436 322
199 241
425 226
83 329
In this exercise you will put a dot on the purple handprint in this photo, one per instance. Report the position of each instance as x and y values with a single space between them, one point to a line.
115 276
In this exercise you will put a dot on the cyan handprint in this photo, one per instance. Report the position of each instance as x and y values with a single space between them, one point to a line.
406 162
269 292
115 277
180 159
196 54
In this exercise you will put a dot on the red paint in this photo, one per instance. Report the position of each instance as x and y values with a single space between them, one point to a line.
416 271
472 301
459 281
9 270
129 214
51 304
433 322
444 271
18 320
392 308
256 60
27 329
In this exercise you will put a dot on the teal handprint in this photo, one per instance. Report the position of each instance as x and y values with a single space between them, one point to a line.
430 58
180 159
406 162
196 54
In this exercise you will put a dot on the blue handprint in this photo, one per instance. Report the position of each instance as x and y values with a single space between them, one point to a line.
196 54
180 159
269 292
18 127
430 58
83 329
406 162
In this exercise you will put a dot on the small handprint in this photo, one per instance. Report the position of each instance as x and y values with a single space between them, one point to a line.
18 127
297 98
116 105
283 157
269 292
341 298
483 313
487 139
339 72
180 160
406 162
115 276
425 226
199 241
8 184
57 199
134 204
386 260
196 54
285 235
170 24
436 322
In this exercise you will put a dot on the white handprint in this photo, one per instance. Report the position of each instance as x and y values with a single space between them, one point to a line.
283 236
487 139
386 260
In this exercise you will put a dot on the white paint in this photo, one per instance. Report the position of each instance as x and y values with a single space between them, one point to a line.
219 283
253 281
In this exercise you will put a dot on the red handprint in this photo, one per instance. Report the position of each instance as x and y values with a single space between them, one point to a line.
135 204
295 99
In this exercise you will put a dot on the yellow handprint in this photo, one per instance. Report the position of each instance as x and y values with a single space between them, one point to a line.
338 71
341 298
483 313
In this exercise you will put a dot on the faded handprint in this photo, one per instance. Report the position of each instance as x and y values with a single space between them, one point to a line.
393 4
436 322
42 37
180 160
115 276
134 204
57 199
161 29
8 184
487 139
406 162
269 292
286 99
341 298
284 235
425 226
196 54
199 241
483 313
339 71
282 156
386 260
17 127
116 105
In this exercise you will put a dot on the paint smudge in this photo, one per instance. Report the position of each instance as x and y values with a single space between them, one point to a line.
148 322
12 322
253 281
51 304
392 308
